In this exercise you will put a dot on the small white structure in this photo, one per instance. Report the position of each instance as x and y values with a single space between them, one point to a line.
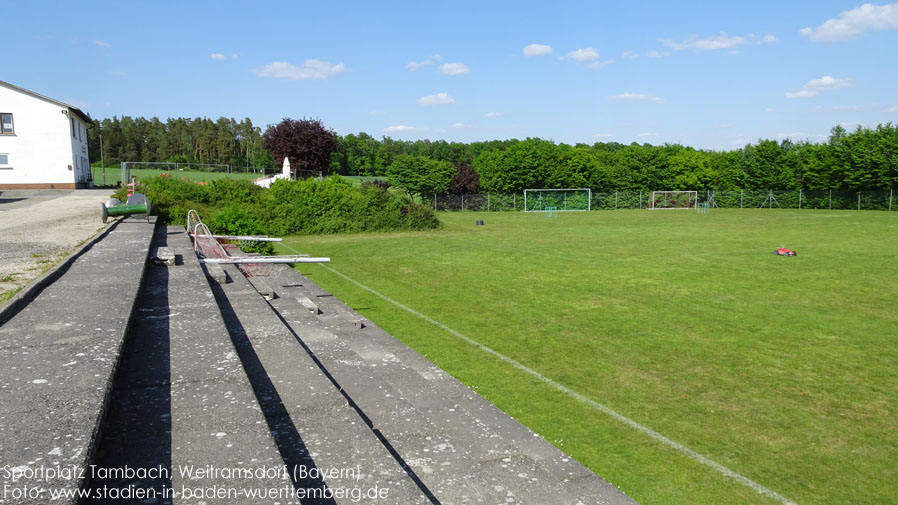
43 142
266 182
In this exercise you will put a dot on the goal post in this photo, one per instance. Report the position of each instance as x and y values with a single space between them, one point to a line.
672 200
563 200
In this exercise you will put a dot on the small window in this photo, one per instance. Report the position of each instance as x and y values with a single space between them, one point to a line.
4 160
73 128
6 126
79 133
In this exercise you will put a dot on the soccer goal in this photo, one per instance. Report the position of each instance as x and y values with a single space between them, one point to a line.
538 200
673 200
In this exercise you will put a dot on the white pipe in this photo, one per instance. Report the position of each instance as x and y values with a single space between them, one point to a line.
264 259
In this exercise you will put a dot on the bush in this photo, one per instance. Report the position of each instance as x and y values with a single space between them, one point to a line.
289 207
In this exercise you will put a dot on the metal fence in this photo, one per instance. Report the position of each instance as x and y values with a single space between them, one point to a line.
801 199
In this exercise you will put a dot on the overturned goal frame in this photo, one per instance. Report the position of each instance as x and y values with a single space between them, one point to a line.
672 200
560 200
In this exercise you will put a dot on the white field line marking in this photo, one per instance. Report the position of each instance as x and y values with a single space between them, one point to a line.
577 396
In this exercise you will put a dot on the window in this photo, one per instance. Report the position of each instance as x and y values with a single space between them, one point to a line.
4 161
73 127
6 126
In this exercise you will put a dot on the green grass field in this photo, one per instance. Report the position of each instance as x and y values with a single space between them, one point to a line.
784 370
114 174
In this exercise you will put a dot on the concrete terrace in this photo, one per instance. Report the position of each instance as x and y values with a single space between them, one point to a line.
166 385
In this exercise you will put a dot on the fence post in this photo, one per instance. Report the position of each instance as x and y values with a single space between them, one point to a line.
890 199
615 200
799 199
434 202
488 202
640 199
858 200
462 202
741 197
830 199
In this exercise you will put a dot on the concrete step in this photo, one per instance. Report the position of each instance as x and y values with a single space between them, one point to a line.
316 425
60 347
182 399
447 432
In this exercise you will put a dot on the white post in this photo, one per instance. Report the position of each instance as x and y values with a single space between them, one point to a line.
615 200
799 199
741 197
858 200
891 191
830 199
434 201
286 171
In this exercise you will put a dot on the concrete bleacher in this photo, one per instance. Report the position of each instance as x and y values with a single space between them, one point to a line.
222 371
59 345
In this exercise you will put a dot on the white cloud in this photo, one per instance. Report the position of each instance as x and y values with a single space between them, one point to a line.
310 70
454 69
438 99
636 97
656 54
815 86
721 41
536 50
494 114
102 44
767 39
218 56
891 109
829 82
431 60
804 93
852 24
629 55
583 55
403 128
599 64
461 126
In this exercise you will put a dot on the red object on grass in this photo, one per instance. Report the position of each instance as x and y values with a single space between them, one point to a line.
782 251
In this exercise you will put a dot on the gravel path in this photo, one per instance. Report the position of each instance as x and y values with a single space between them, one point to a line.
38 228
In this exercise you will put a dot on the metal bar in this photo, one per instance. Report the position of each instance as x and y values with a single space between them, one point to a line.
858 200
250 238
830 199
265 259
891 192
799 199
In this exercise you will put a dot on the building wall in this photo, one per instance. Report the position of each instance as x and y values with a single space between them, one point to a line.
42 152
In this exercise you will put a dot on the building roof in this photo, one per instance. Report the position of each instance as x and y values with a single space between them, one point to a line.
80 113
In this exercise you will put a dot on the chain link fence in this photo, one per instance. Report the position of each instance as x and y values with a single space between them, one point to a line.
801 199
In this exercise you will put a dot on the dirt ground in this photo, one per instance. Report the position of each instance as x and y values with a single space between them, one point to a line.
39 228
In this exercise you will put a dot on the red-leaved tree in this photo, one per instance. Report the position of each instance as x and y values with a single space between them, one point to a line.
307 143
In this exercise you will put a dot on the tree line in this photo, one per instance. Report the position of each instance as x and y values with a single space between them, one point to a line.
861 160
182 140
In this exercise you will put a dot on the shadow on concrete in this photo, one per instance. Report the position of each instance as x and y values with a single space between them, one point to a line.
136 433
293 450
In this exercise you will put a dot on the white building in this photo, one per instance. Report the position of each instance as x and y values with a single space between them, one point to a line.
43 142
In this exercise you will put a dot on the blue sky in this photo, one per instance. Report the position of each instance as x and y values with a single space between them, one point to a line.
713 75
